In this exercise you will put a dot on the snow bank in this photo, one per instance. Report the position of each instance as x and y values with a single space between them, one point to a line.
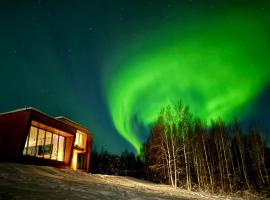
19 181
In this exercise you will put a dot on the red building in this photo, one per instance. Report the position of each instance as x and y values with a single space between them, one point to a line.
30 136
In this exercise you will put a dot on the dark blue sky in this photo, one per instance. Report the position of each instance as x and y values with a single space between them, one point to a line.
52 55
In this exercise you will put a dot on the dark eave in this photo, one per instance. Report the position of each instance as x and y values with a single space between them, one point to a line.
72 123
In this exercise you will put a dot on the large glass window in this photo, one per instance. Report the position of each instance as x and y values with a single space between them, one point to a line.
32 142
40 143
44 144
55 147
47 148
26 146
80 140
61 148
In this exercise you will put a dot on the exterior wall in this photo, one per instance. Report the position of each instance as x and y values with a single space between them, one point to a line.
73 124
40 161
14 128
69 150
88 151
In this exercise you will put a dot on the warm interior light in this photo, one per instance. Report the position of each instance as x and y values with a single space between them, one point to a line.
43 143
74 160
80 140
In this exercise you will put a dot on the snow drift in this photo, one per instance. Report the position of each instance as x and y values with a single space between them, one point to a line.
18 181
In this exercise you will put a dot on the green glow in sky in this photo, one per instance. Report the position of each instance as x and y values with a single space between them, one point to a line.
216 66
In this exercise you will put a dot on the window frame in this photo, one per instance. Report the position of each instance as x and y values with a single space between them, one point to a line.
35 154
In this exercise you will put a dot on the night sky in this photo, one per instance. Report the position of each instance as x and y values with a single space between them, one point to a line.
111 65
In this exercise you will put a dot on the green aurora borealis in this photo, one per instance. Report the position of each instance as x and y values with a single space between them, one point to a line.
216 66
111 65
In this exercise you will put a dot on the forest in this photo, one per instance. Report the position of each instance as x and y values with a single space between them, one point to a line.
186 152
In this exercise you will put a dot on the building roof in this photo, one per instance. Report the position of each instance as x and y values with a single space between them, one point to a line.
72 123
60 119
22 109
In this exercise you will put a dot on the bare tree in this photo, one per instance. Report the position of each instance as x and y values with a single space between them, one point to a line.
186 152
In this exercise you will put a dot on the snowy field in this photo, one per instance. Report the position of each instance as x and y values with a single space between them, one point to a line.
29 182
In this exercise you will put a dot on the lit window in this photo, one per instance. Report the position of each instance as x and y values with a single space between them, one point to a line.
31 150
61 147
44 144
47 148
55 147
40 143
26 146
80 140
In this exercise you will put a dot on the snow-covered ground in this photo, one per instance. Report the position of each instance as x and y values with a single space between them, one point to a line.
19 181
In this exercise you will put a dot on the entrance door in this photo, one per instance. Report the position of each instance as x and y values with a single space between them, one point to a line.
81 162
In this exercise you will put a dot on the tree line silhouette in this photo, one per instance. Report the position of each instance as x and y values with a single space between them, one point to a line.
126 164
184 151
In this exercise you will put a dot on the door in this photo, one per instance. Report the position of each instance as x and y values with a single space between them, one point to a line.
81 161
